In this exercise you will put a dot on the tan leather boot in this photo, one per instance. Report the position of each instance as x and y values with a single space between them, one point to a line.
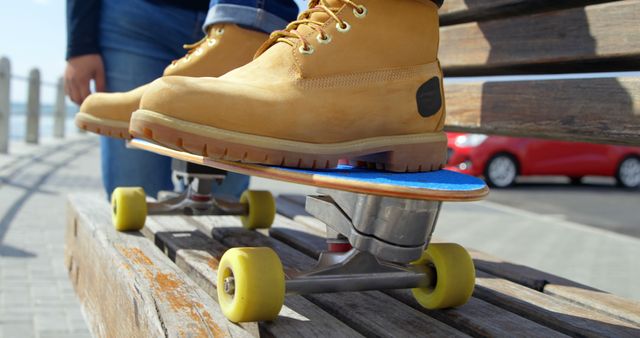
224 48
353 79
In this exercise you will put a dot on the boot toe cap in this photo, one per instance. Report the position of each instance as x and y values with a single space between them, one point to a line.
112 106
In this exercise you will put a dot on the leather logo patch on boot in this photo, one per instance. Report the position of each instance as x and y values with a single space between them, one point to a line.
429 97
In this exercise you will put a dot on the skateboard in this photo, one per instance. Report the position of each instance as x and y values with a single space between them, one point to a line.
379 227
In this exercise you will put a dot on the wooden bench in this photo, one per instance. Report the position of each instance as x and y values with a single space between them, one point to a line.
161 282
507 37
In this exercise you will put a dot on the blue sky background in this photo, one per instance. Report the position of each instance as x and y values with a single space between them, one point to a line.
33 34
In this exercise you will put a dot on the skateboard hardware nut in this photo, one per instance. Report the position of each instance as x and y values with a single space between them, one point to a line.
229 285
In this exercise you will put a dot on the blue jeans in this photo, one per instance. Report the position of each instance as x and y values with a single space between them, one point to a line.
262 15
138 40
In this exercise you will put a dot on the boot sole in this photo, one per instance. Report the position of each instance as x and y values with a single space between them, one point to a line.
406 153
106 127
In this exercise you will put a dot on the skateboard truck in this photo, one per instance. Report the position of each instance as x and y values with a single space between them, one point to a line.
386 233
392 229
388 236
357 271
130 208
197 197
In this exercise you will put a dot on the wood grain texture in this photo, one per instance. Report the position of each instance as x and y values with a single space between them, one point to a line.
198 256
370 313
127 288
308 239
553 312
603 110
585 296
499 299
457 11
605 36
476 318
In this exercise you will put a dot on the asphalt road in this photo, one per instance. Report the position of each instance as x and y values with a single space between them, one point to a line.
596 202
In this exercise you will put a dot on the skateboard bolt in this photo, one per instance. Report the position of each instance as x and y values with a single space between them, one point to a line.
229 285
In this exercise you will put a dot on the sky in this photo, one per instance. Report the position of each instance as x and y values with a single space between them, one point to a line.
33 35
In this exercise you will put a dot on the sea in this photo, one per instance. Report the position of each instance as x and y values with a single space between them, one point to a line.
18 121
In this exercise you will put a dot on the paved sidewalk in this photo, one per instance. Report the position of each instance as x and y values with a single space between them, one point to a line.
36 297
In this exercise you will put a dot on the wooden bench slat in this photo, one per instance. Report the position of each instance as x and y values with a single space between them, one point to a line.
588 297
292 206
612 307
604 36
168 302
554 312
605 110
477 317
360 310
621 308
127 288
198 256
458 11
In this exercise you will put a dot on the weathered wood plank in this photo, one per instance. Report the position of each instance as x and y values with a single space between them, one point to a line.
198 256
605 36
127 288
360 310
568 290
306 236
576 300
605 110
554 312
457 11
476 318
460 11
291 205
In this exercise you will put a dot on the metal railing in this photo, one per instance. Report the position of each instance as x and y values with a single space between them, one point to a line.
33 105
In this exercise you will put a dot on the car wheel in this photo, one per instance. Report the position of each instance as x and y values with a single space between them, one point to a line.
501 171
628 174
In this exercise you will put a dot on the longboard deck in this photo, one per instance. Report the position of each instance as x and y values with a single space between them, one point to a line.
441 185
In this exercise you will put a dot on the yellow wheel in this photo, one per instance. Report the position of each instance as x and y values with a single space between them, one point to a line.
261 209
250 284
129 208
454 276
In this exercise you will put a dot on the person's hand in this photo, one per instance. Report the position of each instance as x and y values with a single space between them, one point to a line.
79 73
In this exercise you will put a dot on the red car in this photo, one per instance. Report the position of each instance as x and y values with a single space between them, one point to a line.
501 159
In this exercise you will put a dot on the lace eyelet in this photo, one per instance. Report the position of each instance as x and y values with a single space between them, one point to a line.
343 29
220 31
187 58
211 42
360 12
308 51
326 40
198 51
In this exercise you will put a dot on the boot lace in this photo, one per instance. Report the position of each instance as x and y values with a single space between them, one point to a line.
290 33
196 47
